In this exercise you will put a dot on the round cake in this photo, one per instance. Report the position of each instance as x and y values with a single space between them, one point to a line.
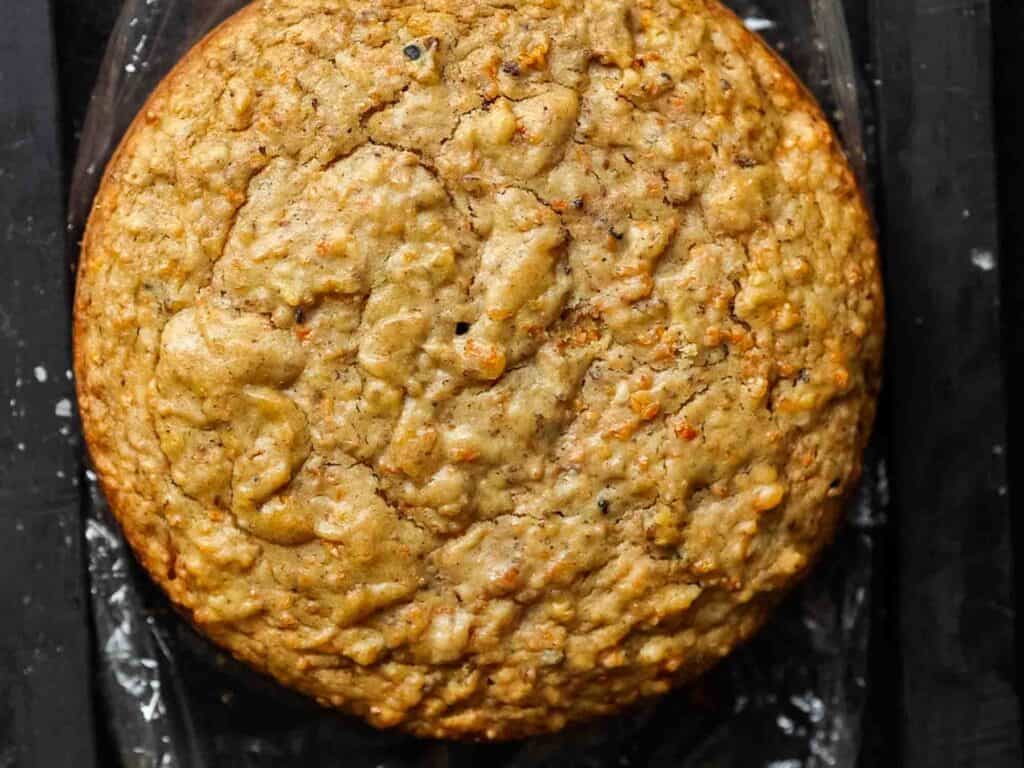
477 368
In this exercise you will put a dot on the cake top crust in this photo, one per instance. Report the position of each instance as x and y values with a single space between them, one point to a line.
478 367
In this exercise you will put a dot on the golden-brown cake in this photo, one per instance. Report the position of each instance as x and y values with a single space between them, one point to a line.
478 367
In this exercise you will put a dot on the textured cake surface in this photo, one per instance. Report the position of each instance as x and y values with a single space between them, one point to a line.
478 367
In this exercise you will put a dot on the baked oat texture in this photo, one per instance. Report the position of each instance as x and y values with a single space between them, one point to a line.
478 367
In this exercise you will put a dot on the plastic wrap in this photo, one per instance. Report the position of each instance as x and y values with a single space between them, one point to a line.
793 698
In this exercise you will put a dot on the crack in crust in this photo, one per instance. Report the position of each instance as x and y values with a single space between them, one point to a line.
487 389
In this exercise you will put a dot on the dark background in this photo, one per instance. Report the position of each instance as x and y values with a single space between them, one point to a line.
944 83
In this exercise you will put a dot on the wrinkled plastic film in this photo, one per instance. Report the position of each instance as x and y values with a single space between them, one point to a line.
793 698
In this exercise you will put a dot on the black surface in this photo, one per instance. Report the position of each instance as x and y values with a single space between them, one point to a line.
1008 23
45 698
82 28
947 415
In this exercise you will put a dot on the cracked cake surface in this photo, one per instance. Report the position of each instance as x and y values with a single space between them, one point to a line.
478 367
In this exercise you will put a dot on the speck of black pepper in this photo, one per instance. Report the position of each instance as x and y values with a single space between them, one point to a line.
263 151
834 484
615 233
511 68
603 505
412 52
300 315
461 328
726 85
316 103
578 203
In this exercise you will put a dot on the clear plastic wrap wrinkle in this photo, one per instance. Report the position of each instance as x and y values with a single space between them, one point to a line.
791 699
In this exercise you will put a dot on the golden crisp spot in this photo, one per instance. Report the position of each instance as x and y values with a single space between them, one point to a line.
484 359
459 365
685 431
644 405
768 497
